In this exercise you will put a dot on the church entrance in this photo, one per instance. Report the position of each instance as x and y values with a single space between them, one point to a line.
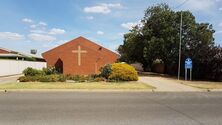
59 65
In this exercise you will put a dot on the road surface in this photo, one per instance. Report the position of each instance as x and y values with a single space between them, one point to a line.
110 108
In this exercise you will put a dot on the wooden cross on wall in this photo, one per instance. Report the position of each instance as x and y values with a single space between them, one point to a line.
79 52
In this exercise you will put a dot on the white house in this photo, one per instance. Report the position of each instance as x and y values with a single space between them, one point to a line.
13 63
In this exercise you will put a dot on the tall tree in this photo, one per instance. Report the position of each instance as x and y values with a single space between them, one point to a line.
158 38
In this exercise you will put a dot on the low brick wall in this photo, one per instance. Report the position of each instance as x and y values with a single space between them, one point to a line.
158 68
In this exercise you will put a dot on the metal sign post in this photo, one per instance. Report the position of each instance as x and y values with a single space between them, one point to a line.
188 65
190 74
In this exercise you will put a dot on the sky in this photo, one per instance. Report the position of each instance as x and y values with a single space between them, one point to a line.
45 24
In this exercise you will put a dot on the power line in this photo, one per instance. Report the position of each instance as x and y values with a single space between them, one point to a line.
178 6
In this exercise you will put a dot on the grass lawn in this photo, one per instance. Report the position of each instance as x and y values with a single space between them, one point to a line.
90 86
204 85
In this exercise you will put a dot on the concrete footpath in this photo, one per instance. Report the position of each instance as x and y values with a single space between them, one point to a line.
163 84
9 79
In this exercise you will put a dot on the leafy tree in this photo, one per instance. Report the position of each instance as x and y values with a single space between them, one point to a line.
208 64
157 37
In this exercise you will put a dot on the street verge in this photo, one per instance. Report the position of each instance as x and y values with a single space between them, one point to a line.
75 86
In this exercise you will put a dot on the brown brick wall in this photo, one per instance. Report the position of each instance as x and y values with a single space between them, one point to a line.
91 61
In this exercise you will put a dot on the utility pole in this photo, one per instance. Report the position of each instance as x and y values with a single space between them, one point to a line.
181 23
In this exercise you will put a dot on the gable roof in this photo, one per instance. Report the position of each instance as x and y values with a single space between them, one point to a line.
7 50
12 53
93 45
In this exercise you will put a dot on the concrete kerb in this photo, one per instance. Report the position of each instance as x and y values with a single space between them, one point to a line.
74 90
204 89
99 90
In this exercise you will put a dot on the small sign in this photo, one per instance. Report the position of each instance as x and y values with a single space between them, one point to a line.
188 63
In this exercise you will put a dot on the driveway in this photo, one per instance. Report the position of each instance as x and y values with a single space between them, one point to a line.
9 79
164 84
110 108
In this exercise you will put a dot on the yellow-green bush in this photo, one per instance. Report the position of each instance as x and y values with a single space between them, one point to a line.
123 72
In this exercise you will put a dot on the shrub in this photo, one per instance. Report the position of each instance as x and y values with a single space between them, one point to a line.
50 70
123 72
99 79
28 78
48 78
23 79
88 78
43 78
61 78
73 77
32 72
77 78
106 71
52 78
93 76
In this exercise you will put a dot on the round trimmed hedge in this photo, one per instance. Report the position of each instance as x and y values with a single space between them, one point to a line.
123 72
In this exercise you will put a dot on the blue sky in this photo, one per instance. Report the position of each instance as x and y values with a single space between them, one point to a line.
44 24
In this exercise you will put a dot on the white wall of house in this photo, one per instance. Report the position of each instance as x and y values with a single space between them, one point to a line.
13 67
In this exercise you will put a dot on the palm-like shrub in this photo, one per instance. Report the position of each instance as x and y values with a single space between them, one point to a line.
106 71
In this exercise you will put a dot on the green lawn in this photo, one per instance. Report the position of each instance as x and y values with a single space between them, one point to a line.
90 86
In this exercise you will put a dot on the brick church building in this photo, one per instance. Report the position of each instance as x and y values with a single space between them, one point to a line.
79 57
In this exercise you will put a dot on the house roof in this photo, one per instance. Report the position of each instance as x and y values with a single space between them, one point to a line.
12 53
7 50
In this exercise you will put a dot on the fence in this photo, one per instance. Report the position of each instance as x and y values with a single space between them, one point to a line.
13 67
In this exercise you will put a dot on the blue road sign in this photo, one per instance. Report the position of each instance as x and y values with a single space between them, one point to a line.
188 63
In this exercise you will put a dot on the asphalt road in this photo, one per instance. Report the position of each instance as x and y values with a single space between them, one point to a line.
110 108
